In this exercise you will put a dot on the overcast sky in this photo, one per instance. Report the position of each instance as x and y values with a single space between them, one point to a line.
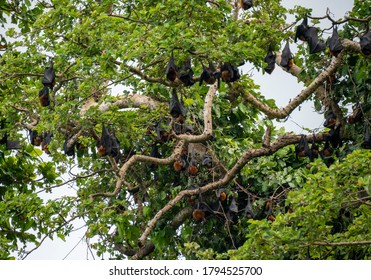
280 86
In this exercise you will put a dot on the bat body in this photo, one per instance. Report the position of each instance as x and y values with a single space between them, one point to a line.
44 96
177 107
47 138
186 74
367 138
335 45
365 42
35 138
286 57
301 30
207 74
315 45
229 72
171 69
330 119
108 144
270 59
49 77
246 4
302 148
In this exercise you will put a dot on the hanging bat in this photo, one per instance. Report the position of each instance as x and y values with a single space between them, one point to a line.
286 57
69 151
186 74
314 150
270 59
44 97
365 42
315 45
207 74
302 148
171 69
108 144
207 161
366 144
246 4
180 164
301 30
229 72
334 42
357 114
35 138
193 169
47 138
249 213
177 108
49 76
335 138
330 119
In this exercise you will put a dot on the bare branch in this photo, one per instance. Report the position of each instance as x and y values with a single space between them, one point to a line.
335 244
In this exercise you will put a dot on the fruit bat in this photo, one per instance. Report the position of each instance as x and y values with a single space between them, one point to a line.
365 42
314 150
286 57
302 148
207 74
180 164
315 45
301 30
177 107
35 138
207 161
330 120
246 4
44 97
229 72
357 114
49 77
108 144
334 42
249 213
335 138
233 206
367 138
69 151
270 59
193 169
186 73
47 138
171 69
327 150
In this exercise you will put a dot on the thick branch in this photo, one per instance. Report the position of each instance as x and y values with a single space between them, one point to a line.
334 244
230 174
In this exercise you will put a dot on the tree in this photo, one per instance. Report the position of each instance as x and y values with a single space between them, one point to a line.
208 177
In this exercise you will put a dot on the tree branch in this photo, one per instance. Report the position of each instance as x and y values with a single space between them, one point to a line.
334 244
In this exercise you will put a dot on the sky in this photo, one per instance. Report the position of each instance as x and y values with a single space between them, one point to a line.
280 86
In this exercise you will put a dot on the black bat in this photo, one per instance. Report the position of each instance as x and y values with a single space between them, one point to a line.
171 69
315 45
334 137
177 108
105 143
270 59
302 148
357 114
330 119
286 57
186 73
229 72
47 138
13 144
207 161
69 151
44 97
207 74
35 138
246 4
49 76
301 30
249 213
365 42
334 42
314 149
366 144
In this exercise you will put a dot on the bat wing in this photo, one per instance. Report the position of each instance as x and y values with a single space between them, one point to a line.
365 42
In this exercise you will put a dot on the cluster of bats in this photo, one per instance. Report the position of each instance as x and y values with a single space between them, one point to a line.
309 34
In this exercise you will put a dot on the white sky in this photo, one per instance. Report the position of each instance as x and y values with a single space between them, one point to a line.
273 86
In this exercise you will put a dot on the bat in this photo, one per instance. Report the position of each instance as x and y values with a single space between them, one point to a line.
186 74
302 148
193 169
177 108
246 4
44 97
207 161
334 42
314 150
229 72
49 76
69 151
270 59
315 45
365 42
286 57
108 144
330 119
207 74
171 69
366 144
180 164
249 213
47 138
357 114
35 138
301 30
335 138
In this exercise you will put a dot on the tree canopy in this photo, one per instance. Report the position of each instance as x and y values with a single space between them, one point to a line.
145 110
